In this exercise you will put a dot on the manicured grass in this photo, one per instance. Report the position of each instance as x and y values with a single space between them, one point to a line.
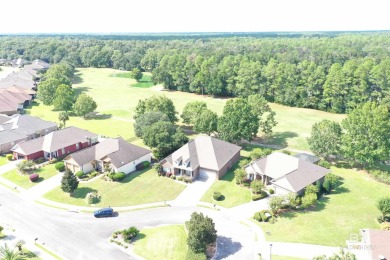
234 195
3 160
145 82
23 180
126 75
167 242
117 96
137 188
349 208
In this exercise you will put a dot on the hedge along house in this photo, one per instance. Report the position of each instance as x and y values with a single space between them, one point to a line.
203 157
285 173
115 155
55 144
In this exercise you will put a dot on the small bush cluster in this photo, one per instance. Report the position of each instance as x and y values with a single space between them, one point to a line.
385 226
117 176
173 177
142 165
217 196
324 164
129 234
60 166
40 160
192 255
184 179
80 174
259 196
34 177
92 198
9 157
271 191
263 216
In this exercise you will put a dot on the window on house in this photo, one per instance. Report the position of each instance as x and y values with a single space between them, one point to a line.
63 150
77 146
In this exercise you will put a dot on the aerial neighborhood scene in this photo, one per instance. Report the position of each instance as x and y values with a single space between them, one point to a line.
195 130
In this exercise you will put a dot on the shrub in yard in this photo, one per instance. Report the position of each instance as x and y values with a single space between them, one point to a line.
53 160
168 174
118 176
40 160
217 196
381 176
92 198
180 178
309 200
34 177
324 164
257 186
192 255
292 200
80 174
259 196
1 229
142 165
60 166
258 217
326 186
129 234
271 191
311 189
239 175
173 177
9 157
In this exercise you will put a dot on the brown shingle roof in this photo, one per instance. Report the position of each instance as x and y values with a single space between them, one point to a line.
204 151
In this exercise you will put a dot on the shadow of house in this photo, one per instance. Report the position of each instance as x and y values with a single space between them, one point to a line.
278 138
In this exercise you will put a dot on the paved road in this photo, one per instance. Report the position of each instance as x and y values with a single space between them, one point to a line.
80 236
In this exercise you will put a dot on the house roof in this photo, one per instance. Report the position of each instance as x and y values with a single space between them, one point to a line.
380 243
14 97
9 82
54 141
117 150
287 171
204 151
26 124
10 136
307 157
3 118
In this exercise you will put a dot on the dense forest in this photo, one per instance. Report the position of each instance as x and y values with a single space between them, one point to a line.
333 72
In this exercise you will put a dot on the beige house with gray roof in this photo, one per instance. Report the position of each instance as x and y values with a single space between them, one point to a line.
205 156
286 173
117 154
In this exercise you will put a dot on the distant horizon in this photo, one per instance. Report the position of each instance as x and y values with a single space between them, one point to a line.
169 16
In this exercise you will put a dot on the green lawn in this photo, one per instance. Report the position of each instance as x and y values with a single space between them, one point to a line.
118 97
351 207
24 181
3 160
145 82
234 195
165 243
137 188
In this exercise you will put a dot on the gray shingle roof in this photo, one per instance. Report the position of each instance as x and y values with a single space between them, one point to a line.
204 151
26 124
117 150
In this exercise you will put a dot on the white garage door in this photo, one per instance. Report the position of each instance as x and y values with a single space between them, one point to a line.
207 174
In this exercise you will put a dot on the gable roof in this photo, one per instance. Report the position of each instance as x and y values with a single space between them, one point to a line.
287 171
54 141
205 152
117 150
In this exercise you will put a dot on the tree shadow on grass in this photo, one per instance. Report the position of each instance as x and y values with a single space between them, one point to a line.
81 193
77 79
278 138
139 237
226 247
188 130
80 90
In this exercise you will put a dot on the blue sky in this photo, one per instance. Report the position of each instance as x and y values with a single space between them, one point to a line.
111 16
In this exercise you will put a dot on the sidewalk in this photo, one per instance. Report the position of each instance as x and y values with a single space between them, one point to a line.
9 166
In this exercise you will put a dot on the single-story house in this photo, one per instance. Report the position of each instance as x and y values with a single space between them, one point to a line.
13 102
285 173
18 128
117 154
370 244
55 144
205 156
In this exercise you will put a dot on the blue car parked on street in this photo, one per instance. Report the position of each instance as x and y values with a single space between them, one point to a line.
105 212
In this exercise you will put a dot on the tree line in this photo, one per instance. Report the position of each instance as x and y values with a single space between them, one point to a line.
242 118
332 72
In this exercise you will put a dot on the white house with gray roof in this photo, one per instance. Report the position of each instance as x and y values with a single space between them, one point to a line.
205 156
285 173
117 154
